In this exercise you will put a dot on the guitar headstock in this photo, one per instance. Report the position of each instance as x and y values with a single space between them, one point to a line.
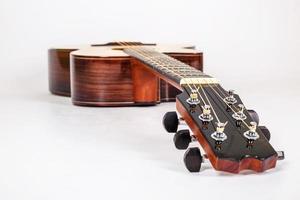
228 133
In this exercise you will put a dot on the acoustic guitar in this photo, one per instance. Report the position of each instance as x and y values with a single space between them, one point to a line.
134 73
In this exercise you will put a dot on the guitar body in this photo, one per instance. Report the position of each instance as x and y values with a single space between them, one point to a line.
101 79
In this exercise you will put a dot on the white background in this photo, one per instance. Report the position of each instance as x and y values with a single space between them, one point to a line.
50 149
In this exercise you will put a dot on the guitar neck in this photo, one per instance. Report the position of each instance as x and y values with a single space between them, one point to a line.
171 70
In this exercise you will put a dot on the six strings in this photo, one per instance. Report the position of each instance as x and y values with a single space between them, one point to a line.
143 52
146 54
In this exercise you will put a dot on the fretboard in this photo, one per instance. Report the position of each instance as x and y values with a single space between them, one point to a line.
166 66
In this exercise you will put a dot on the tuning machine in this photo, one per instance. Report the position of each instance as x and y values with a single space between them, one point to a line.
219 134
193 159
183 138
251 134
171 121
193 100
239 116
206 116
230 99
253 114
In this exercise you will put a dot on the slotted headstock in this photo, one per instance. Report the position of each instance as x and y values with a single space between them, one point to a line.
225 129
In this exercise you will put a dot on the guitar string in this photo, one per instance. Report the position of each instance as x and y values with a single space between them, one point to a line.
228 105
209 103
216 85
161 63
225 102
203 91
224 93
222 98
205 94
184 77
199 94
144 50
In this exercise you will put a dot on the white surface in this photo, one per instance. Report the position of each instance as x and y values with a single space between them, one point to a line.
50 149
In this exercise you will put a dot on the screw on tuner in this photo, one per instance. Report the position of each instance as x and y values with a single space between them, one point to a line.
239 116
206 115
251 134
219 135
193 99
230 99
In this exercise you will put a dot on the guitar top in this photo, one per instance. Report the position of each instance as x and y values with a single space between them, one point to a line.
124 74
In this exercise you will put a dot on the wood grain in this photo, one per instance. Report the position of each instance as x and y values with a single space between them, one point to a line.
59 71
59 76
101 81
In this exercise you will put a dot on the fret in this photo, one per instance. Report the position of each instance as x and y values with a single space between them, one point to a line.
166 65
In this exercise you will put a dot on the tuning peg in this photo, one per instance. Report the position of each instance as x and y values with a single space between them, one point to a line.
266 132
254 116
206 114
193 100
251 134
230 99
239 116
193 159
171 121
182 139
219 134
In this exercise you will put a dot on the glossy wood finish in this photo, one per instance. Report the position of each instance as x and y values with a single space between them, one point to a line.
101 81
59 71
234 155
222 164
59 74
113 81
145 84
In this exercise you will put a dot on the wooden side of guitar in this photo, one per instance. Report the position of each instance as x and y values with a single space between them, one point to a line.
110 81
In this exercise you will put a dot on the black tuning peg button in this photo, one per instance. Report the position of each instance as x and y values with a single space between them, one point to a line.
182 139
266 132
171 122
193 159
254 116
